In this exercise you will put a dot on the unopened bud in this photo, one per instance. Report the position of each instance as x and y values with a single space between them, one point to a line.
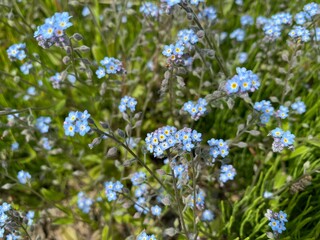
84 48
77 36
190 16
66 60
200 34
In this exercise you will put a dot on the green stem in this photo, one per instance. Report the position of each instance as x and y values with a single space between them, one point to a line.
134 155
177 197
212 44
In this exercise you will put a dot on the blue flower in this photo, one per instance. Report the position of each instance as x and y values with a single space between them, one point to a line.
138 178
150 9
127 102
85 11
299 107
30 216
156 210
301 18
277 221
208 13
218 147
76 122
246 20
227 173
282 112
243 56
140 205
84 203
207 215
238 34
52 31
300 32
287 138
45 143
101 72
82 127
171 3
23 177
277 133
25 68
168 50
232 85
196 110
312 9
14 146
17 52
111 195
110 65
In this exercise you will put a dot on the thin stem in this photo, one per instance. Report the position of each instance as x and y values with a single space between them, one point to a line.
134 155
73 62
177 197
25 230
286 81
194 195
212 44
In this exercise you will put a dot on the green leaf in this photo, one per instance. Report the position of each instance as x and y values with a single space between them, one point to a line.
51 195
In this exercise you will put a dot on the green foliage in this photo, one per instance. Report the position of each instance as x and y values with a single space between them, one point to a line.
71 166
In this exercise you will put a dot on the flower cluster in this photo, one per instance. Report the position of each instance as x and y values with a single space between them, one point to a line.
196 110
46 143
277 221
312 9
300 33
246 20
282 112
238 34
144 236
218 147
23 177
186 39
167 137
227 173
266 109
299 107
180 172
17 52
138 178
58 78
29 217
111 189
171 3
301 18
208 13
42 124
150 9
84 203
53 31
244 81
127 102
272 27
76 122
281 139
31 91
110 65
25 68
207 215
199 200
141 190
4 218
